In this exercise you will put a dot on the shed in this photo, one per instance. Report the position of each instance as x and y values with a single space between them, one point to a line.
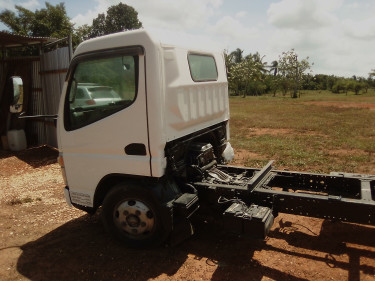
41 63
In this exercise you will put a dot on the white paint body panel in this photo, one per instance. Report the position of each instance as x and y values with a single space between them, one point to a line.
176 106
191 106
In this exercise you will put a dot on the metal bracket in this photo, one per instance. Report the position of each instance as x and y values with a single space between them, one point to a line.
259 176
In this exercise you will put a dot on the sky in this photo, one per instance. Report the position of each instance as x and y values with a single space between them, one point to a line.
338 36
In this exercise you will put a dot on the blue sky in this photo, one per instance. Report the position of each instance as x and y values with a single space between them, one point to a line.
338 36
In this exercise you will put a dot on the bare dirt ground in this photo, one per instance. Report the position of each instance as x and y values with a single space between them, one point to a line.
43 239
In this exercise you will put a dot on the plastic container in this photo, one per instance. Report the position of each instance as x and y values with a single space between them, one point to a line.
17 140
228 153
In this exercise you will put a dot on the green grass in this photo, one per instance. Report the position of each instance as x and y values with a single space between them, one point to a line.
302 134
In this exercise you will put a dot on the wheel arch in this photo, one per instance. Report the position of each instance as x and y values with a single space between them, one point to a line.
107 183
163 189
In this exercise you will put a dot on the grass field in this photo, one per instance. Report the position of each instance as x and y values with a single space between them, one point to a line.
319 132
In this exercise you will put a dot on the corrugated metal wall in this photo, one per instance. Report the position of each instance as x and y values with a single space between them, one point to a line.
53 68
36 129
2 79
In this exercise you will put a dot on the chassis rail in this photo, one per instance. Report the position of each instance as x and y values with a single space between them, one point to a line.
341 196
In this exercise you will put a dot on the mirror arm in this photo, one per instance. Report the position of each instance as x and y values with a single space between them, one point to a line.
40 118
23 116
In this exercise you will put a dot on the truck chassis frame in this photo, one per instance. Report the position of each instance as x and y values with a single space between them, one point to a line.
337 196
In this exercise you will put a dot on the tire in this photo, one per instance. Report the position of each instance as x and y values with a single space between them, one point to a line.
132 215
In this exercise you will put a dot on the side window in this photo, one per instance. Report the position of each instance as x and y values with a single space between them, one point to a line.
99 88
202 67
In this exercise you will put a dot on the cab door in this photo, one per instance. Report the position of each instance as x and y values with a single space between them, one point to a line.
104 128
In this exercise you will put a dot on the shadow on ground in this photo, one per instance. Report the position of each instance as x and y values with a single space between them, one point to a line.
81 250
335 238
34 156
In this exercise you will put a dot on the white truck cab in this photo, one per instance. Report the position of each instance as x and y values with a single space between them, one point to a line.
130 153
143 132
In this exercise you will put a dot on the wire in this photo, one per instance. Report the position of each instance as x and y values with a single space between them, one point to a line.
242 213
223 200
306 228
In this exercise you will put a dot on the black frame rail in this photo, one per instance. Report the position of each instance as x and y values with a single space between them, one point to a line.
340 196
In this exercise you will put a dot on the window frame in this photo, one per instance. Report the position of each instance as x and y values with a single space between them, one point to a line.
135 51
203 55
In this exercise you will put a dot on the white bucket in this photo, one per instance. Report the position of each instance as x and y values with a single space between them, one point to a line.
17 140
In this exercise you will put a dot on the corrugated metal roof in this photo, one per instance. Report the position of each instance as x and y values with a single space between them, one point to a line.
8 40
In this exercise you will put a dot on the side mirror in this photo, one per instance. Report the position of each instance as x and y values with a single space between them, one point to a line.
16 104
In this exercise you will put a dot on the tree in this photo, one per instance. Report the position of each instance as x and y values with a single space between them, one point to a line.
293 69
51 21
119 18
246 72
18 24
365 86
81 33
274 67
272 84
284 85
228 61
258 60
357 87
237 55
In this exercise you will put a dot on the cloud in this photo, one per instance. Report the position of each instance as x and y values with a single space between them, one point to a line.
306 14
182 22
216 3
10 4
362 29
232 29
86 18
331 50
31 4
353 5
241 14
186 39
334 34
336 37
171 14
6 4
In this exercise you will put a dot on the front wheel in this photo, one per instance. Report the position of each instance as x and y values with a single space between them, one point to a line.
132 215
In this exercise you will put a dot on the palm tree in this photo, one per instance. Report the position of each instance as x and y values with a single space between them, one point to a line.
237 55
228 60
274 67
258 60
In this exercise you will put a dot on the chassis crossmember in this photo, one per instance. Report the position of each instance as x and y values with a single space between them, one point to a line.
340 196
